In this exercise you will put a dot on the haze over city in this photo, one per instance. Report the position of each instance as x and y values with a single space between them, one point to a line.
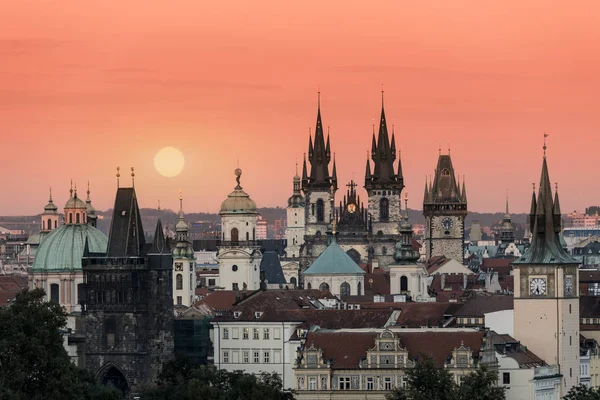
84 91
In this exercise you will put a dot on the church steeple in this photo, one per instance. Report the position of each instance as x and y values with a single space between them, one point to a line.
405 253
319 156
545 246
126 236
383 155
507 234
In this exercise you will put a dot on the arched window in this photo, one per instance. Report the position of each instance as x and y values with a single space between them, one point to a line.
49 225
293 280
253 233
324 286
235 235
191 282
55 224
445 172
309 286
70 218
179 282
359 289
77 218
247 236
345 289
403 284
384 209
320 210
54 292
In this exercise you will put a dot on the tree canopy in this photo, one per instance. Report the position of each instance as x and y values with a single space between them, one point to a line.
427 382
180 380
583 393
33 361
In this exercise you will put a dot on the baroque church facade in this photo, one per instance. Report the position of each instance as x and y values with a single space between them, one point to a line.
367 234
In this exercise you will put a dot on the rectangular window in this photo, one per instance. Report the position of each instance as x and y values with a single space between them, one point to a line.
235 333
255 335
506 378
246 357
277 356
344 382
277 333
312 383
225 357
179 300
469 321
225 333
266 334
256 357
235 356
211 282
245 333
387 382
370 384
267 357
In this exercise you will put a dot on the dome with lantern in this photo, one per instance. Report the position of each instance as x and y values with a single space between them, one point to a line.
238 201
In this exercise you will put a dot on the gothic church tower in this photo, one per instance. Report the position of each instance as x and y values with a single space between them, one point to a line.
384 184
445 209
546 289
294 232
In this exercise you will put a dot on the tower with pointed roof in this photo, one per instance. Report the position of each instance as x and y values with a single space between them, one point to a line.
317 181
184 274
128 307
546 309
239 252
445 210
294 232
50 216
384 182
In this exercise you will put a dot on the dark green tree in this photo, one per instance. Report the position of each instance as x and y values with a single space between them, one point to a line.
426 382
583 393
481 384
181 380
33 362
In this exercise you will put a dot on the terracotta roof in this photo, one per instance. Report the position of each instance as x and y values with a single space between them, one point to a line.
510 347
438 345
334 319
218 301
10 285
589 276
477 306
501 265
377 283
435 263
416 315
276 300
507 282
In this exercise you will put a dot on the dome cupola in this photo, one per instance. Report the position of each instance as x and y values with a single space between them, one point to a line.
75 208
238 201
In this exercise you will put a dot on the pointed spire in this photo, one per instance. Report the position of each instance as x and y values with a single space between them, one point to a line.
310 144
334 173
71 190
426 194
75 195
368 171
159 242
507 213
532 212
393 145
458 186
88 200
556 209
328 146
373 145
304 171
464 190
50 198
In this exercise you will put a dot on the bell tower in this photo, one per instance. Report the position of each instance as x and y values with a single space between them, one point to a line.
445 209
546 309
50 216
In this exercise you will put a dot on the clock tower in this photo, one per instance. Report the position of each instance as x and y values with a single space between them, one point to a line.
445 209
546 310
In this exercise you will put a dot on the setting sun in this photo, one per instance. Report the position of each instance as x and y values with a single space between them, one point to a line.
169 162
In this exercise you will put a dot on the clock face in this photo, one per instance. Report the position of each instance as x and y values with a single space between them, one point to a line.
568 285
537 286
178 266
352 208
447 223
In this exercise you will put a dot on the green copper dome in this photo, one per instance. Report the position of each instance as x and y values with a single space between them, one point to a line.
63 248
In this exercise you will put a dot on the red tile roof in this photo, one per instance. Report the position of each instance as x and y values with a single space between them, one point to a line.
438 345
479 305
377 283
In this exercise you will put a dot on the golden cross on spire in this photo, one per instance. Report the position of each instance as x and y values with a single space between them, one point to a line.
180 200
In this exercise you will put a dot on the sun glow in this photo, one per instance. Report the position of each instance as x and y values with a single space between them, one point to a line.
169 162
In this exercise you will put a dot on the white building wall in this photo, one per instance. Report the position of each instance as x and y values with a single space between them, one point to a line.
185 268
294 233
230 349
502 322
335 281
521 379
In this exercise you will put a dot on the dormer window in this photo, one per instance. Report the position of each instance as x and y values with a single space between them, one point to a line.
258 314
123 213
236 314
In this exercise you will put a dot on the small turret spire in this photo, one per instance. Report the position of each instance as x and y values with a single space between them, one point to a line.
71 190
75 195
50 198
545 136
507 202
132 177
118 176
426 194
464 190
88 200
334 173
180 201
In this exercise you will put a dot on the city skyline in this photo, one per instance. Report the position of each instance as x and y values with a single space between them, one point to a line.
86 91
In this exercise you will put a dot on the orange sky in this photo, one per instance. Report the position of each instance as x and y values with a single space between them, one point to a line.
86 86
